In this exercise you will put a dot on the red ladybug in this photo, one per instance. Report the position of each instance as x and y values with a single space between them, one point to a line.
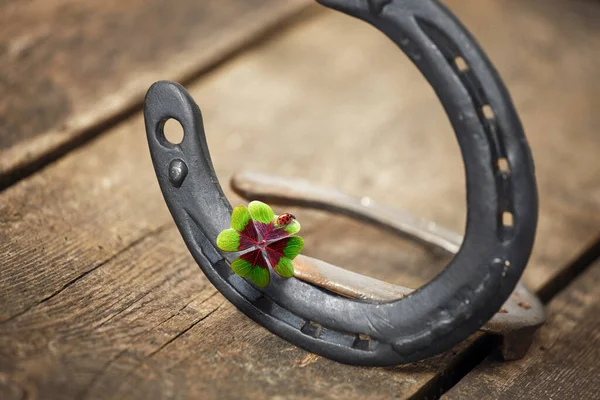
285 219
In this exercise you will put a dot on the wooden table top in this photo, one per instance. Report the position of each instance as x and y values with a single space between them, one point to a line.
99 297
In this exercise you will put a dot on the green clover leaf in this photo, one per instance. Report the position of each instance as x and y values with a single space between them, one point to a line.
267 245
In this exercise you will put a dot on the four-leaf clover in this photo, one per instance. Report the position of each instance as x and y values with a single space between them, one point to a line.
255 230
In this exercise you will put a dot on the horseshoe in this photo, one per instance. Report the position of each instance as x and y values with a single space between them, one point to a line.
501 206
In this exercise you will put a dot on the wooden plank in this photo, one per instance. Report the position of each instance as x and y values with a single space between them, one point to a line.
548 58
148 325
100 298
563 361
68 66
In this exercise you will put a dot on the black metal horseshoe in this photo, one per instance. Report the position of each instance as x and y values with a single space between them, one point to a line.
501 212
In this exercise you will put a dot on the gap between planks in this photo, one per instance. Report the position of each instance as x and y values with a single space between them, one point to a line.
563 360
486 345
289 18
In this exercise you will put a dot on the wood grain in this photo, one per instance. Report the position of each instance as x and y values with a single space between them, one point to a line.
563 361
68 66
549 61
99 297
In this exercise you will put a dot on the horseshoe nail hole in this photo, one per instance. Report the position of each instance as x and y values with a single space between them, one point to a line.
503 165
173 131
507 219
362 342
312 329
461 64
488 112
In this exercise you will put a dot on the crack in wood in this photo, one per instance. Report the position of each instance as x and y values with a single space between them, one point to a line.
68 284
215 292
140 297
183 332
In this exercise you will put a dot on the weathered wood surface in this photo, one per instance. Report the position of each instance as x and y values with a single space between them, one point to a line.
99 297
549 59
70 66
563 361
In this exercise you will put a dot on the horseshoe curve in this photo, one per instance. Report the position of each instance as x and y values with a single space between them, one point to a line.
500 182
